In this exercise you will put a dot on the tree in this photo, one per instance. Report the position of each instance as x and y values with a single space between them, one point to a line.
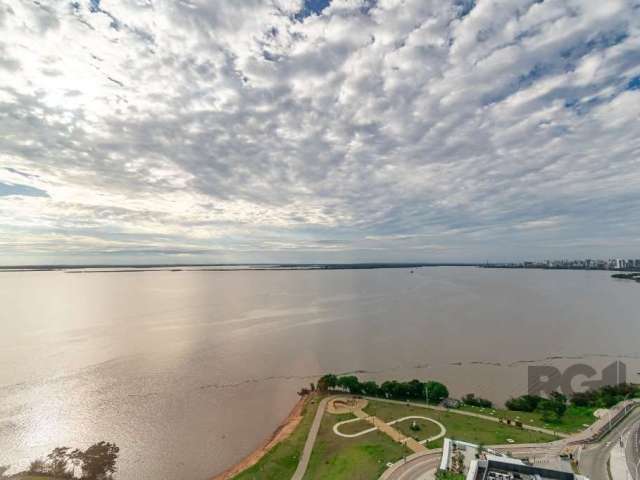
327 381
350 383
99 461
525 403
415 389
436 391
76 460
370 388
389 388
58 460
37 467
558 404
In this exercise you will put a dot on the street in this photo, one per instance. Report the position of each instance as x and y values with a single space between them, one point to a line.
593 462
632 451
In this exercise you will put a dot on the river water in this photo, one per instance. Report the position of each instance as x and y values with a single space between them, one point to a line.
189 371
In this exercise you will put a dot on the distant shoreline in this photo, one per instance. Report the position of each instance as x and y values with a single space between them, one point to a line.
223 267
284 267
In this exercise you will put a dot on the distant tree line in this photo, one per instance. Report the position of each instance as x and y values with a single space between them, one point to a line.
432 391
552 408
607 396
98 462
555 405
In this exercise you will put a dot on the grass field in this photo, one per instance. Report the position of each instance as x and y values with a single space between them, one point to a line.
574 420
365 457
460 427
427 429
361 458
282 461
355 427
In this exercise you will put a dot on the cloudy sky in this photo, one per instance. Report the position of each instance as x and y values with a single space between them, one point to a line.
317 130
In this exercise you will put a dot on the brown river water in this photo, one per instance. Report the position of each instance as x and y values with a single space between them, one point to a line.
189 371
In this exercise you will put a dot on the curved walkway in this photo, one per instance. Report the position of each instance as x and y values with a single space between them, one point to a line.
442 433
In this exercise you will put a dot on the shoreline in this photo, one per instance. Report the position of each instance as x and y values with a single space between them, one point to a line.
282 432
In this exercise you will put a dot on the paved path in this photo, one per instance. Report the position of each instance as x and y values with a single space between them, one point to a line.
390 431
303 463
618 462
441 433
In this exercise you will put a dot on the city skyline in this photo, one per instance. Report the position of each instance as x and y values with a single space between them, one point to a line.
317 131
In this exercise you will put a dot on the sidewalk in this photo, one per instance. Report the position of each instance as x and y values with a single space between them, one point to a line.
618 462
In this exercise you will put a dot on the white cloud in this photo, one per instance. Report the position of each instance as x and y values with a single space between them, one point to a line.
393 127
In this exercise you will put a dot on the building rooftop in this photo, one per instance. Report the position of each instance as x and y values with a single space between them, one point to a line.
500 468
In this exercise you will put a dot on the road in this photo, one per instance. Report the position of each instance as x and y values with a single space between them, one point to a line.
594 458
632 451
415 469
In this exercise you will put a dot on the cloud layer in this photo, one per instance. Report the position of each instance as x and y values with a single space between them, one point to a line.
350 130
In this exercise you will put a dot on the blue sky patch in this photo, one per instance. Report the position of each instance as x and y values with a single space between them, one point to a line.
15 189
634 83
312 7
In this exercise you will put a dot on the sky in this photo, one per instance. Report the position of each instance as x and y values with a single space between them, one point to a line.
199 131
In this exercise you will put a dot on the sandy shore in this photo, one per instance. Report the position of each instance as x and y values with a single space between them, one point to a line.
283 431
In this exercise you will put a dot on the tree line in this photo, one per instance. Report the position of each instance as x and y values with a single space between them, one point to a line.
431 391
98 462
555 405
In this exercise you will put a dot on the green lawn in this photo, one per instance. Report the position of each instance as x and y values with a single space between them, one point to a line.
355 427
427 429
574 420
361 458
282 460
460 427
365 457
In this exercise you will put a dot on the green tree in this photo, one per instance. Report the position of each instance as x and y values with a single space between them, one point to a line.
370 388
327 381
350 383
389 388
524 403
436 391
415 389
99 461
